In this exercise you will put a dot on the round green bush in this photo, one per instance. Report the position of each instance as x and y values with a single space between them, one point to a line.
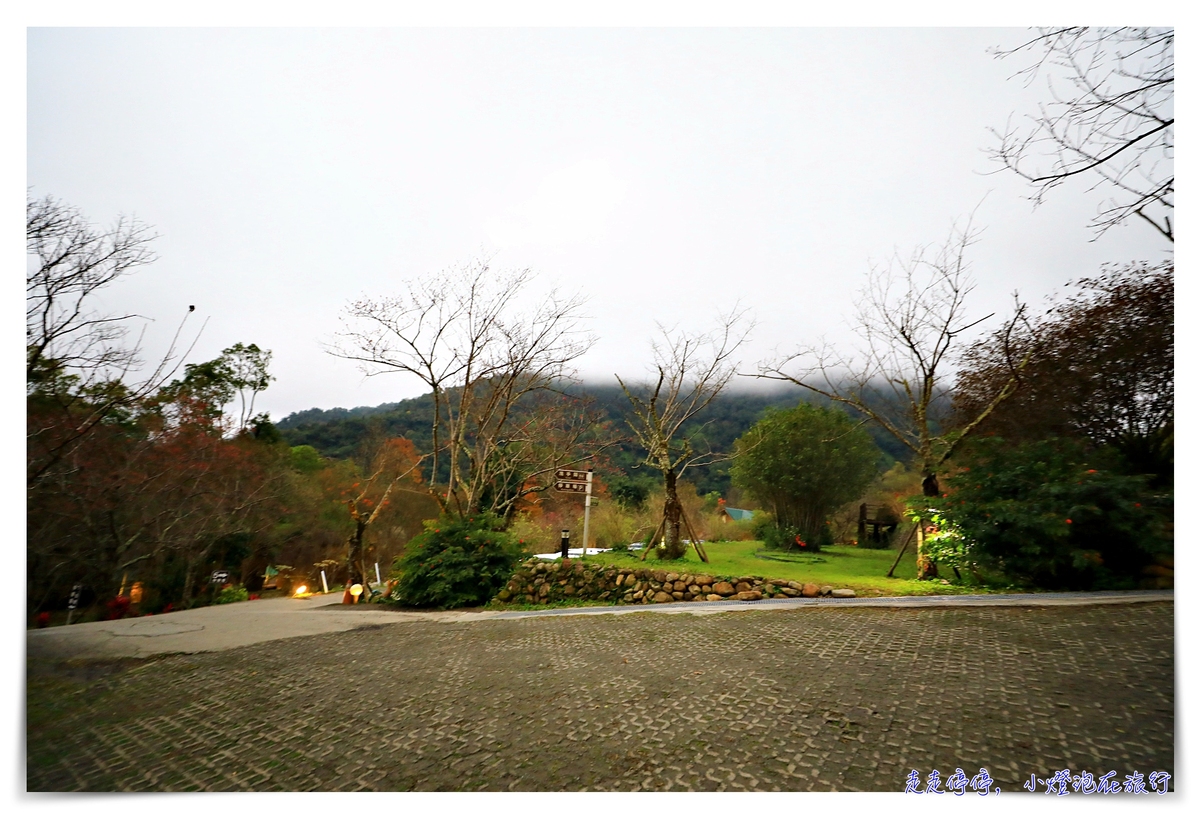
456 562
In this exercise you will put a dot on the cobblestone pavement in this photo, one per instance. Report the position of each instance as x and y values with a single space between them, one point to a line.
817 699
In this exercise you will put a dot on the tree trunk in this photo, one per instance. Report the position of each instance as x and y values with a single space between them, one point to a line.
929 485
926 568
354 550
188 579
673 516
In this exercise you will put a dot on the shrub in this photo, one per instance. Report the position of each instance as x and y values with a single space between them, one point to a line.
1044 512
456 562
782 537
611 526
235 593
730 530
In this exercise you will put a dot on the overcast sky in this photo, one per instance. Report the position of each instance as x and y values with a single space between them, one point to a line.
664 173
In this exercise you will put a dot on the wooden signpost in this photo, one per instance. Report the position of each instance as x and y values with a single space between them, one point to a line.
573 481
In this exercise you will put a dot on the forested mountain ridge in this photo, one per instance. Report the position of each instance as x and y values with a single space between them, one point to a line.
337 432
296 419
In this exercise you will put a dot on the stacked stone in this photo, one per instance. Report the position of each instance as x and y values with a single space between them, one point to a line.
539 581
536 581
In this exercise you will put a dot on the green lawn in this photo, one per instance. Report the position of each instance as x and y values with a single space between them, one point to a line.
842 566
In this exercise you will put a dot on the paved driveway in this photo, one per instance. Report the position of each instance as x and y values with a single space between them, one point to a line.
812 698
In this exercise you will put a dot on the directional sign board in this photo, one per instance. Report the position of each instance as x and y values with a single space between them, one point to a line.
571 474
570 485
220 577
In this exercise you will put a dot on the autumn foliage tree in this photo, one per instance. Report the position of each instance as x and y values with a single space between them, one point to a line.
158 497
392 466
1101 368
81 370
128 472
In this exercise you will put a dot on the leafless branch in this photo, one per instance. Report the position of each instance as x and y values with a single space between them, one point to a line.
690 371
463 334
1114 120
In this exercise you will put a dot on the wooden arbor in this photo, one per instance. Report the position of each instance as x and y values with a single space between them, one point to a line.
880 519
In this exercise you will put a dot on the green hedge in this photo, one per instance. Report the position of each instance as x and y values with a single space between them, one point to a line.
456 562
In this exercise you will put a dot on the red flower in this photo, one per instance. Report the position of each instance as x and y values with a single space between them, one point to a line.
1068 521
1137 505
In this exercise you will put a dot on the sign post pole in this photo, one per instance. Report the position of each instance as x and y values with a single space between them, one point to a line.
587 511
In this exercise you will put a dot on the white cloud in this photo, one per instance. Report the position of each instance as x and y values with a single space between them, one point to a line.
571 204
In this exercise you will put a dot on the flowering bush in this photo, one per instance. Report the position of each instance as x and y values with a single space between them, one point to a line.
1050 514
118 607
944 541
235 593
456 562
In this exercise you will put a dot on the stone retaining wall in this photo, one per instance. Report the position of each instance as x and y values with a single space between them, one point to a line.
537 581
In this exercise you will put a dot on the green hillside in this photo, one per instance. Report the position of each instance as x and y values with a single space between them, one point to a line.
337 432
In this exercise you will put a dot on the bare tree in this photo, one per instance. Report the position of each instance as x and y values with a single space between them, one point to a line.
77 361
69 262
1113 122
690 371
909 317
545 432
462 333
